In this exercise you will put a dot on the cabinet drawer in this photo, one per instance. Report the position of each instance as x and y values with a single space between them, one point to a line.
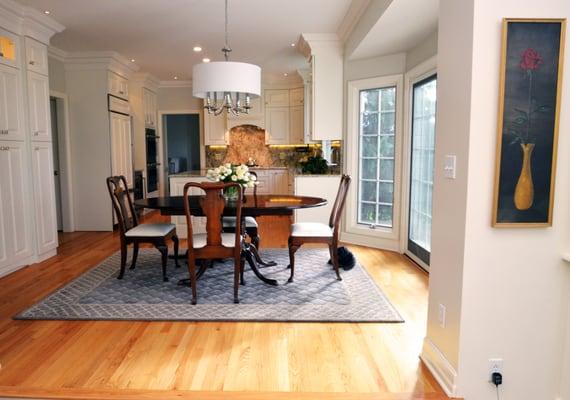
36 56
118 86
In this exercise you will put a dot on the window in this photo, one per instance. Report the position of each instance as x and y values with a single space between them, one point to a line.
376 157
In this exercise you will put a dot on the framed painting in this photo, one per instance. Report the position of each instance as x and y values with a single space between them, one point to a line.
529 107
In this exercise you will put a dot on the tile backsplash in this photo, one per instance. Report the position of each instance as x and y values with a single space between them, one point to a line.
249 141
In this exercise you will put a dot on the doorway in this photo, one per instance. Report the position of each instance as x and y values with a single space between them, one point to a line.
182 134
56 168
421 168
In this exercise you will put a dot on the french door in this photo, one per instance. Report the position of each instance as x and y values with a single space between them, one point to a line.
421 168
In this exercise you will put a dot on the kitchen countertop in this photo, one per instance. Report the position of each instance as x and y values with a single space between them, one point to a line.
202 172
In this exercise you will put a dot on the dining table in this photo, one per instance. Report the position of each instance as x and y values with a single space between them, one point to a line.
253 205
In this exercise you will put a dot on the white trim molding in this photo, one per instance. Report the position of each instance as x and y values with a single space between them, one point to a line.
100 60
441 369
175 84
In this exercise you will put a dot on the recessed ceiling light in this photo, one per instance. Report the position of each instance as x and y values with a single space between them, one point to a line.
132 60
175 78
292 44
285 74
197 49
46 12
206 60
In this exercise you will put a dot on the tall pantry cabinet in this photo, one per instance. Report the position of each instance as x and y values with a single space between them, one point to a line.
28 223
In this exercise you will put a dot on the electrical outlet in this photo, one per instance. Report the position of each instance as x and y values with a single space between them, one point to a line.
495 365
441 315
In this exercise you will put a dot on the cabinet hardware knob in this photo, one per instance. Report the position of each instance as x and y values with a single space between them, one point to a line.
121 92
32 62
37 149
36 133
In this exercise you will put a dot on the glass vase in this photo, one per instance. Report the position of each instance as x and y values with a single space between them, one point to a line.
231 193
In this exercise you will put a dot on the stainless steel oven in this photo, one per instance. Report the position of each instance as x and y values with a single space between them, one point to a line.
152 164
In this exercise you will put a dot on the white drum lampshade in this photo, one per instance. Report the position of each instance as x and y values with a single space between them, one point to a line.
226 76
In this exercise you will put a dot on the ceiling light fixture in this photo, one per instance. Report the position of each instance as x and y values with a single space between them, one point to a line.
133 60
225 84
47 12
205 60
285 74
175 78
197 49
292 44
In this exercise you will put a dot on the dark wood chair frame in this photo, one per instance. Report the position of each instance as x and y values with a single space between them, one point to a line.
252 231
295 242
213 204
123 206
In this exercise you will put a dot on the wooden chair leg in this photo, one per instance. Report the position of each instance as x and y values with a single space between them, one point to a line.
241 270
135 255
123 260
163 248
255 239
192 273
334 256
237 274
176 247
292 249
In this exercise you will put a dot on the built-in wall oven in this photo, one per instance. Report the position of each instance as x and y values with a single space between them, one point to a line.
152 160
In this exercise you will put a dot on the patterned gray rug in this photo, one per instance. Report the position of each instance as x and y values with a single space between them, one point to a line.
315 295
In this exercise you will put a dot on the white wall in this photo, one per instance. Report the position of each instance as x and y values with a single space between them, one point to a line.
422 52
56 75
506 290
177 98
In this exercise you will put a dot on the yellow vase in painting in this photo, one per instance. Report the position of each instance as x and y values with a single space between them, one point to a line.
524 191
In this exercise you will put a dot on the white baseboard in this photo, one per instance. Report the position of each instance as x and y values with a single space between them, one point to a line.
441 369
46 255
376 243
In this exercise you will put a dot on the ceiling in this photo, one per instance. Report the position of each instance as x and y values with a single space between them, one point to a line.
403 25
160 34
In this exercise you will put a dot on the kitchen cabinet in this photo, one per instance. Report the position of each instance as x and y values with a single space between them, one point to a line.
276 97
121 147
44 196
149 106
272 180
15 239
10 103
325 186
254 117
9 48
38 107
215 128
118 86
277 125
296 125
36 56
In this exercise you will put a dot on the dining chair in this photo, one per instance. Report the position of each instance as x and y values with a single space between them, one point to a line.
131 232
315 232
214 244
251 225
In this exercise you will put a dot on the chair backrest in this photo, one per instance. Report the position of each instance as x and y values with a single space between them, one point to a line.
122 203
255 186
338 207
212 205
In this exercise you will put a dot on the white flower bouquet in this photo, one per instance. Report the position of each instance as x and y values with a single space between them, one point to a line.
232 173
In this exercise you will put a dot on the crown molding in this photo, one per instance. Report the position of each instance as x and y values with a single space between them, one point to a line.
100 60
146 80
56 53
351 18
310 43
175 84
27 21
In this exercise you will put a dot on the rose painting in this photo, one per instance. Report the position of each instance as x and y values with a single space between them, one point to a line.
528 122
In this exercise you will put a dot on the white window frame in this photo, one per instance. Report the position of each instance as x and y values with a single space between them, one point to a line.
413 76
381 237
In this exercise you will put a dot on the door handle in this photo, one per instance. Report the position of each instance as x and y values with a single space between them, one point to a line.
55 173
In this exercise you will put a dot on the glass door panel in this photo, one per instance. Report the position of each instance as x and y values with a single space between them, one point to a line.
421 168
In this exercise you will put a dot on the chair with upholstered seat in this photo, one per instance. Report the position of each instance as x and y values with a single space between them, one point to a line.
214 244
314 232
251 225
131 232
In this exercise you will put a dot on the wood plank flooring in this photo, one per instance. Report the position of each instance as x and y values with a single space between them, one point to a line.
211 360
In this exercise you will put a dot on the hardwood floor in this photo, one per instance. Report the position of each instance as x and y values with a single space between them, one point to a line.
173 360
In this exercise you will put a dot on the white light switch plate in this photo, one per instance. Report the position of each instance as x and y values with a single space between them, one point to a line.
449 166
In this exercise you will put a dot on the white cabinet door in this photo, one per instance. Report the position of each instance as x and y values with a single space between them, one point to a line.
276 97
296 97
277 125
118 86
38 103
296 125
121 147
215 128
9 49
10 103
36 56
44 195
15 243
149 106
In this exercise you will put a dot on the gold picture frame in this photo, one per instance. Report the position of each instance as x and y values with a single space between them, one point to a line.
532 55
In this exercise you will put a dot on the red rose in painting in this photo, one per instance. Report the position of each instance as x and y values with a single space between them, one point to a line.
530 60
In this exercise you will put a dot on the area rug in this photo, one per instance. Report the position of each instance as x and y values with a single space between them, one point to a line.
315 295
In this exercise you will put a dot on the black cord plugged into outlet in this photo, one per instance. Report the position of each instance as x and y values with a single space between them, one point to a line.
497 379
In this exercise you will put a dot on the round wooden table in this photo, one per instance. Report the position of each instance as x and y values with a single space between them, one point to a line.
252 206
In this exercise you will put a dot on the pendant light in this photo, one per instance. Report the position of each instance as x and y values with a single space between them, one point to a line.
226 85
